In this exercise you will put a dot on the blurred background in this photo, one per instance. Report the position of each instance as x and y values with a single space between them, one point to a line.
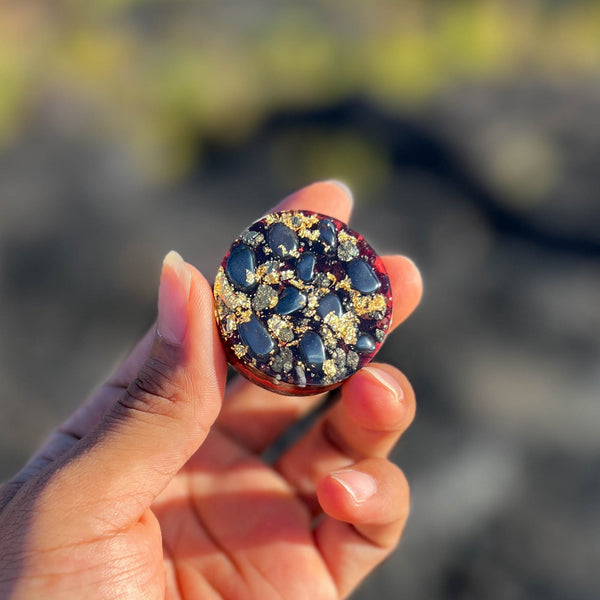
470 134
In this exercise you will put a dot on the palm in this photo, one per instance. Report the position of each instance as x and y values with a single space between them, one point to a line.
232 525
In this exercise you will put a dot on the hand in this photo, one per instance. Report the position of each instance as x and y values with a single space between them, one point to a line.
155 488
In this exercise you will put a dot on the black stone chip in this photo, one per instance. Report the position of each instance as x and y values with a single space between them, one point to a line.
241 261
290 300
256 337
305 267
312 348
282 240
365 343
362 277
330 303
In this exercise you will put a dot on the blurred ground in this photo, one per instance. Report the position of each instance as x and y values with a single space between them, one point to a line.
130 129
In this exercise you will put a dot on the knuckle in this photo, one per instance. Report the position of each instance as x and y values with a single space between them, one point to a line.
408 392
410 401
155 390
403 494
403 483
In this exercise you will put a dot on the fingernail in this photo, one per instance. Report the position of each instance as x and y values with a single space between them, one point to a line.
361 486
173 298
386 380
343 187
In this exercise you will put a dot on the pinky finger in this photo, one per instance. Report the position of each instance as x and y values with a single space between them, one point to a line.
366 507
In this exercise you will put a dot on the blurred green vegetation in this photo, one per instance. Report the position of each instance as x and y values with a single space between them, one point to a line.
167 74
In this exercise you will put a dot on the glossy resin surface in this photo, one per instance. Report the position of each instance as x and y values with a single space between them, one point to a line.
302 302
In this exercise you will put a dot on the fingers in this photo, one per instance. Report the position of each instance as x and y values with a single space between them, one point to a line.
366 505
376 406
165 413
340 467
331 198
407 286
256 417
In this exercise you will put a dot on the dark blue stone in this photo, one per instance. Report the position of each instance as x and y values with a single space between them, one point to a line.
365 343
290 300
305 267
256 337
330 303
328 234
240 261
362 277
282 240
312 348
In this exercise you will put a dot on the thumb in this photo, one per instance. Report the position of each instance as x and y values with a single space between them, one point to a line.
164 415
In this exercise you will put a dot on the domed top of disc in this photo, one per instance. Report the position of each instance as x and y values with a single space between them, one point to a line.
302 302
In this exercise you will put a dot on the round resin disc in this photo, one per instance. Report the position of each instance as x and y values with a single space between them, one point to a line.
302 302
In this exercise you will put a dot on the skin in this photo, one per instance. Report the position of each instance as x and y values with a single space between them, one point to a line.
155 487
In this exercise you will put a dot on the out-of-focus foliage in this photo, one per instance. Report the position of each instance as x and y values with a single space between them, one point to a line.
166 74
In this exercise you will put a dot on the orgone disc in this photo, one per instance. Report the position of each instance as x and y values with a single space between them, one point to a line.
302 302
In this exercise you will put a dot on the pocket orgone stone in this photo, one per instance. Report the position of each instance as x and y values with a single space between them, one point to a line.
302 302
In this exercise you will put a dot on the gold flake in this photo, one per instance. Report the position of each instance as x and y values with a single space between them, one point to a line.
329 368
345 284
281 328
239 350
275 322
302 327
311 234
297 283
224 290
344 236
230 323
268 273
311 305
344 327
244 316
285 252
294 220
366 305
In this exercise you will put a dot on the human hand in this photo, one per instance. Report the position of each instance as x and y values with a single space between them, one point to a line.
155 488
